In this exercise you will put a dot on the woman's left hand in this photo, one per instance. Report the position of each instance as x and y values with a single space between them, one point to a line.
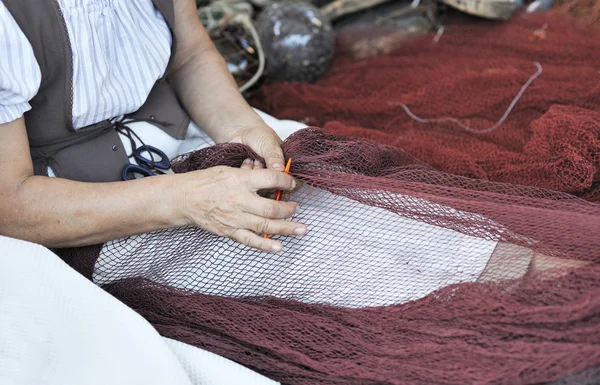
211 96
264 141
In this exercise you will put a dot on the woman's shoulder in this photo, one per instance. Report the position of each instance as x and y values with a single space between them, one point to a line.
20 74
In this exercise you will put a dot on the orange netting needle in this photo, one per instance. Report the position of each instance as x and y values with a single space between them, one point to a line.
278 196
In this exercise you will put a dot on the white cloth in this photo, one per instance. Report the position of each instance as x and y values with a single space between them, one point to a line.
57 328
120 48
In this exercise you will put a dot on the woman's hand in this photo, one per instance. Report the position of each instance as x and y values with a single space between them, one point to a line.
224 201
264 141
209 93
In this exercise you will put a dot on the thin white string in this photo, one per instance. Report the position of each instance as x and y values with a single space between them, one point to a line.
439 34
486 130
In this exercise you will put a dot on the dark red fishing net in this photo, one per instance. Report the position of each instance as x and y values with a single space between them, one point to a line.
439 256
550 139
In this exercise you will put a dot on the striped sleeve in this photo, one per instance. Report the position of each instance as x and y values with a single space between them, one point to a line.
20 74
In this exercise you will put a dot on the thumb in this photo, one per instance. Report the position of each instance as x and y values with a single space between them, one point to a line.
273 155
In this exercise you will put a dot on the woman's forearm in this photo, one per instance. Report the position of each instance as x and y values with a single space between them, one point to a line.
202 81
61 213
57 212
211 97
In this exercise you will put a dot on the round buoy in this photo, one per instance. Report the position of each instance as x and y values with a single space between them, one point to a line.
298 41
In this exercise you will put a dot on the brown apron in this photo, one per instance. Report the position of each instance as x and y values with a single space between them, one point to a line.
94 153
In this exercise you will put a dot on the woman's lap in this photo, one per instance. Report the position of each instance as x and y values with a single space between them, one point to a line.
354 255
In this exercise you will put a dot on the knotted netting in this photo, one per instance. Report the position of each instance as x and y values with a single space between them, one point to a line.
435 254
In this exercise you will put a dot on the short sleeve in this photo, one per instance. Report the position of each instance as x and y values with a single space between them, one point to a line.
20 74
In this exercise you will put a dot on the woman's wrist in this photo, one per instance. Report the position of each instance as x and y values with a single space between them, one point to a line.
225 128
173 192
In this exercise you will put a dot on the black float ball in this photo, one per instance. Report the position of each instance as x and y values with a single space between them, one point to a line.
298 41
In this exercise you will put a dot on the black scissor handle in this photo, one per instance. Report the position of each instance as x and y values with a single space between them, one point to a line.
161 160
130 170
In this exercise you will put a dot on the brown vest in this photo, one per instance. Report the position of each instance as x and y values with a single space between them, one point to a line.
94 153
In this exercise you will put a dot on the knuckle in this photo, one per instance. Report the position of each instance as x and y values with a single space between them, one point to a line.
247 239
273 154
263 225
269 210
271 178
240 236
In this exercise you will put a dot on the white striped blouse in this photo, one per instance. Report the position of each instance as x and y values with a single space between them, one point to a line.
120 48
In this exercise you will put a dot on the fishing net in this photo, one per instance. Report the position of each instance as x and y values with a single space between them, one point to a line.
472 74
452 205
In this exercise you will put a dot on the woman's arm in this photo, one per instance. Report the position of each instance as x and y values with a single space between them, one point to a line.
57 212
210 94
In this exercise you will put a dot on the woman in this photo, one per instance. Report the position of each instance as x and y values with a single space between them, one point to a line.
115 65
116 69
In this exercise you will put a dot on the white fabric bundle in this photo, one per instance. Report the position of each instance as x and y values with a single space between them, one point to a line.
57 328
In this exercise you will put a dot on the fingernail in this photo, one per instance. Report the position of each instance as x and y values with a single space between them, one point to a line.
276 247
257 163
293 184
300 231
278 166
248 161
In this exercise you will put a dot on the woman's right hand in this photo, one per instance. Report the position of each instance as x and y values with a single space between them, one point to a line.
225 201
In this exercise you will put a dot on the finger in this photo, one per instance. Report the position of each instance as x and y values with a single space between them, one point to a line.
258 165
269 208
299 184
248 164
273 155
271 180
256 241
287 195
273 226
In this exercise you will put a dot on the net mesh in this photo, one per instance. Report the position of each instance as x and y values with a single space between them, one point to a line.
549 140
435 255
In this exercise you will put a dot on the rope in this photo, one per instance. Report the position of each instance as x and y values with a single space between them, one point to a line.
470 129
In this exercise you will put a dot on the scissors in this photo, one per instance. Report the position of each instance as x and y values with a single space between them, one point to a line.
157 163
